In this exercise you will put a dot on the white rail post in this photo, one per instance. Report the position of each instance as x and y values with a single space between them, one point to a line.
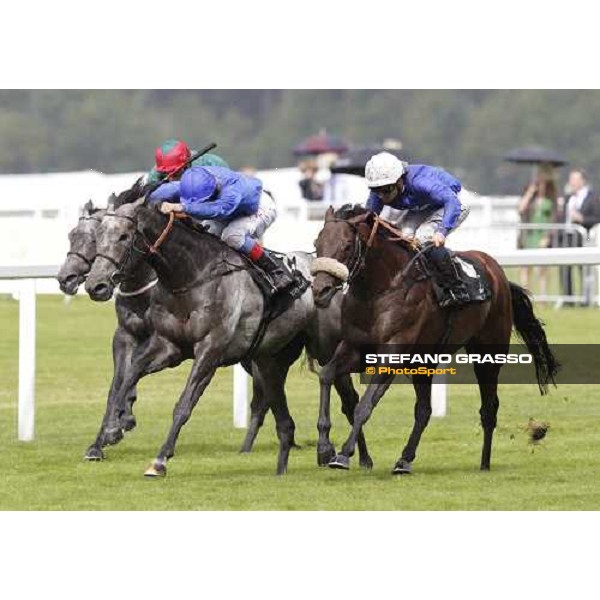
439 396
26 410
240 397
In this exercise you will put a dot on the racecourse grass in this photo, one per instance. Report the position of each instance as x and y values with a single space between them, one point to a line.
74 367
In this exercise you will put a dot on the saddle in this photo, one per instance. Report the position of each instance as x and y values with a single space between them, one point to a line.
274 305
468 271
471 273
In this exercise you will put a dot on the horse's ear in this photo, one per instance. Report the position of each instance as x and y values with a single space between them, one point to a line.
329 215
87 208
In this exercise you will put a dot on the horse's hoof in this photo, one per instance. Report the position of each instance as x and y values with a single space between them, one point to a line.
156 469
366 463
113 436
245 450
128 423
339 461
324 457
402 467
94 454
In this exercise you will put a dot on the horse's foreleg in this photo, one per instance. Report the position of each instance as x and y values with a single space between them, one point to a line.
422 386
349 398
206 361
155 354
340 364
364 408
122 348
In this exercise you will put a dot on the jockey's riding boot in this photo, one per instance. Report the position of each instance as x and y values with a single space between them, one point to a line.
456 293
277 272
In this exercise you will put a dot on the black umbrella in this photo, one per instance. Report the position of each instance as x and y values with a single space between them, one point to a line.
533 155
322 143
354 161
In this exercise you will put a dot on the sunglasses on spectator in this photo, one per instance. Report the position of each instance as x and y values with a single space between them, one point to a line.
384 190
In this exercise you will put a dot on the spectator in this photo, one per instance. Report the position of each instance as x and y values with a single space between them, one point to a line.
538 206
581 207
311 189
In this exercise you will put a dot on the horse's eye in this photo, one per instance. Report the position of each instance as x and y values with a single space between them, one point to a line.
123 237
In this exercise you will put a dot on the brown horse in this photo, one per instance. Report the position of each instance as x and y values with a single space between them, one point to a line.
390 300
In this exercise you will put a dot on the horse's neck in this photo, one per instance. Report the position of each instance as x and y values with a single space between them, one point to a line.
182 256
139 278
383 266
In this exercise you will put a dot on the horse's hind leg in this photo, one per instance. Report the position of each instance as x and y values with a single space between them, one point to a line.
488 389
349 397
487 378
422 386
259 406
271 376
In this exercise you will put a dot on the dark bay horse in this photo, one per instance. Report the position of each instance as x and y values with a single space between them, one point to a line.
390 300
205 307
134 327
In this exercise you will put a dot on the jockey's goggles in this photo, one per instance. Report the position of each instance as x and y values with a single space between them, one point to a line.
384 190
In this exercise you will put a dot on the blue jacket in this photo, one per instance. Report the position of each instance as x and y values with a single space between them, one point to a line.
238 196
426 188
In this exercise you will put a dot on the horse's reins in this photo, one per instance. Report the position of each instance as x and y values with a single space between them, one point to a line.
163 236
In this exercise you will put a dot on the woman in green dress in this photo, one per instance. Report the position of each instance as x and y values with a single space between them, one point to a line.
537 206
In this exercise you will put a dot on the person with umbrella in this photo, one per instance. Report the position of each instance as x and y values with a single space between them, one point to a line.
539 202
429 196
538 205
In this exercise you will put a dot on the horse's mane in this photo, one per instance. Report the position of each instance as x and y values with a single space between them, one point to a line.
137 190
348 211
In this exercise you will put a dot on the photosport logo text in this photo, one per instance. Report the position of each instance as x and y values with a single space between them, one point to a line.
579 363
383 363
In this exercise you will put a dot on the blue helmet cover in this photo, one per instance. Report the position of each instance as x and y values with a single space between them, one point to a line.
197 185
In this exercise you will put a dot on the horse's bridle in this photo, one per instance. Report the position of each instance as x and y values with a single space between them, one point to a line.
79 255
151 248
120 266
357 259
361 247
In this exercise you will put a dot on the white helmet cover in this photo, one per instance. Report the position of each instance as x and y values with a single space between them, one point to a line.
383 169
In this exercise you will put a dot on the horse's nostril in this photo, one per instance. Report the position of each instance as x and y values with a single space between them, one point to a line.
101 291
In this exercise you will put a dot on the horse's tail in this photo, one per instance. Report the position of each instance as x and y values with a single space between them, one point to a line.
531 330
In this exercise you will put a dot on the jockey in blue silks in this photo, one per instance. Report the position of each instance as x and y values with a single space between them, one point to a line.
429 197
233 206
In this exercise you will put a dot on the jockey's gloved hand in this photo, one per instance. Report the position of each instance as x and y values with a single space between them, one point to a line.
168 207
439 239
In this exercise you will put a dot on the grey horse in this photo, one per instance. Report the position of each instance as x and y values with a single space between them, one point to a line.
196 313
134 326
131 306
